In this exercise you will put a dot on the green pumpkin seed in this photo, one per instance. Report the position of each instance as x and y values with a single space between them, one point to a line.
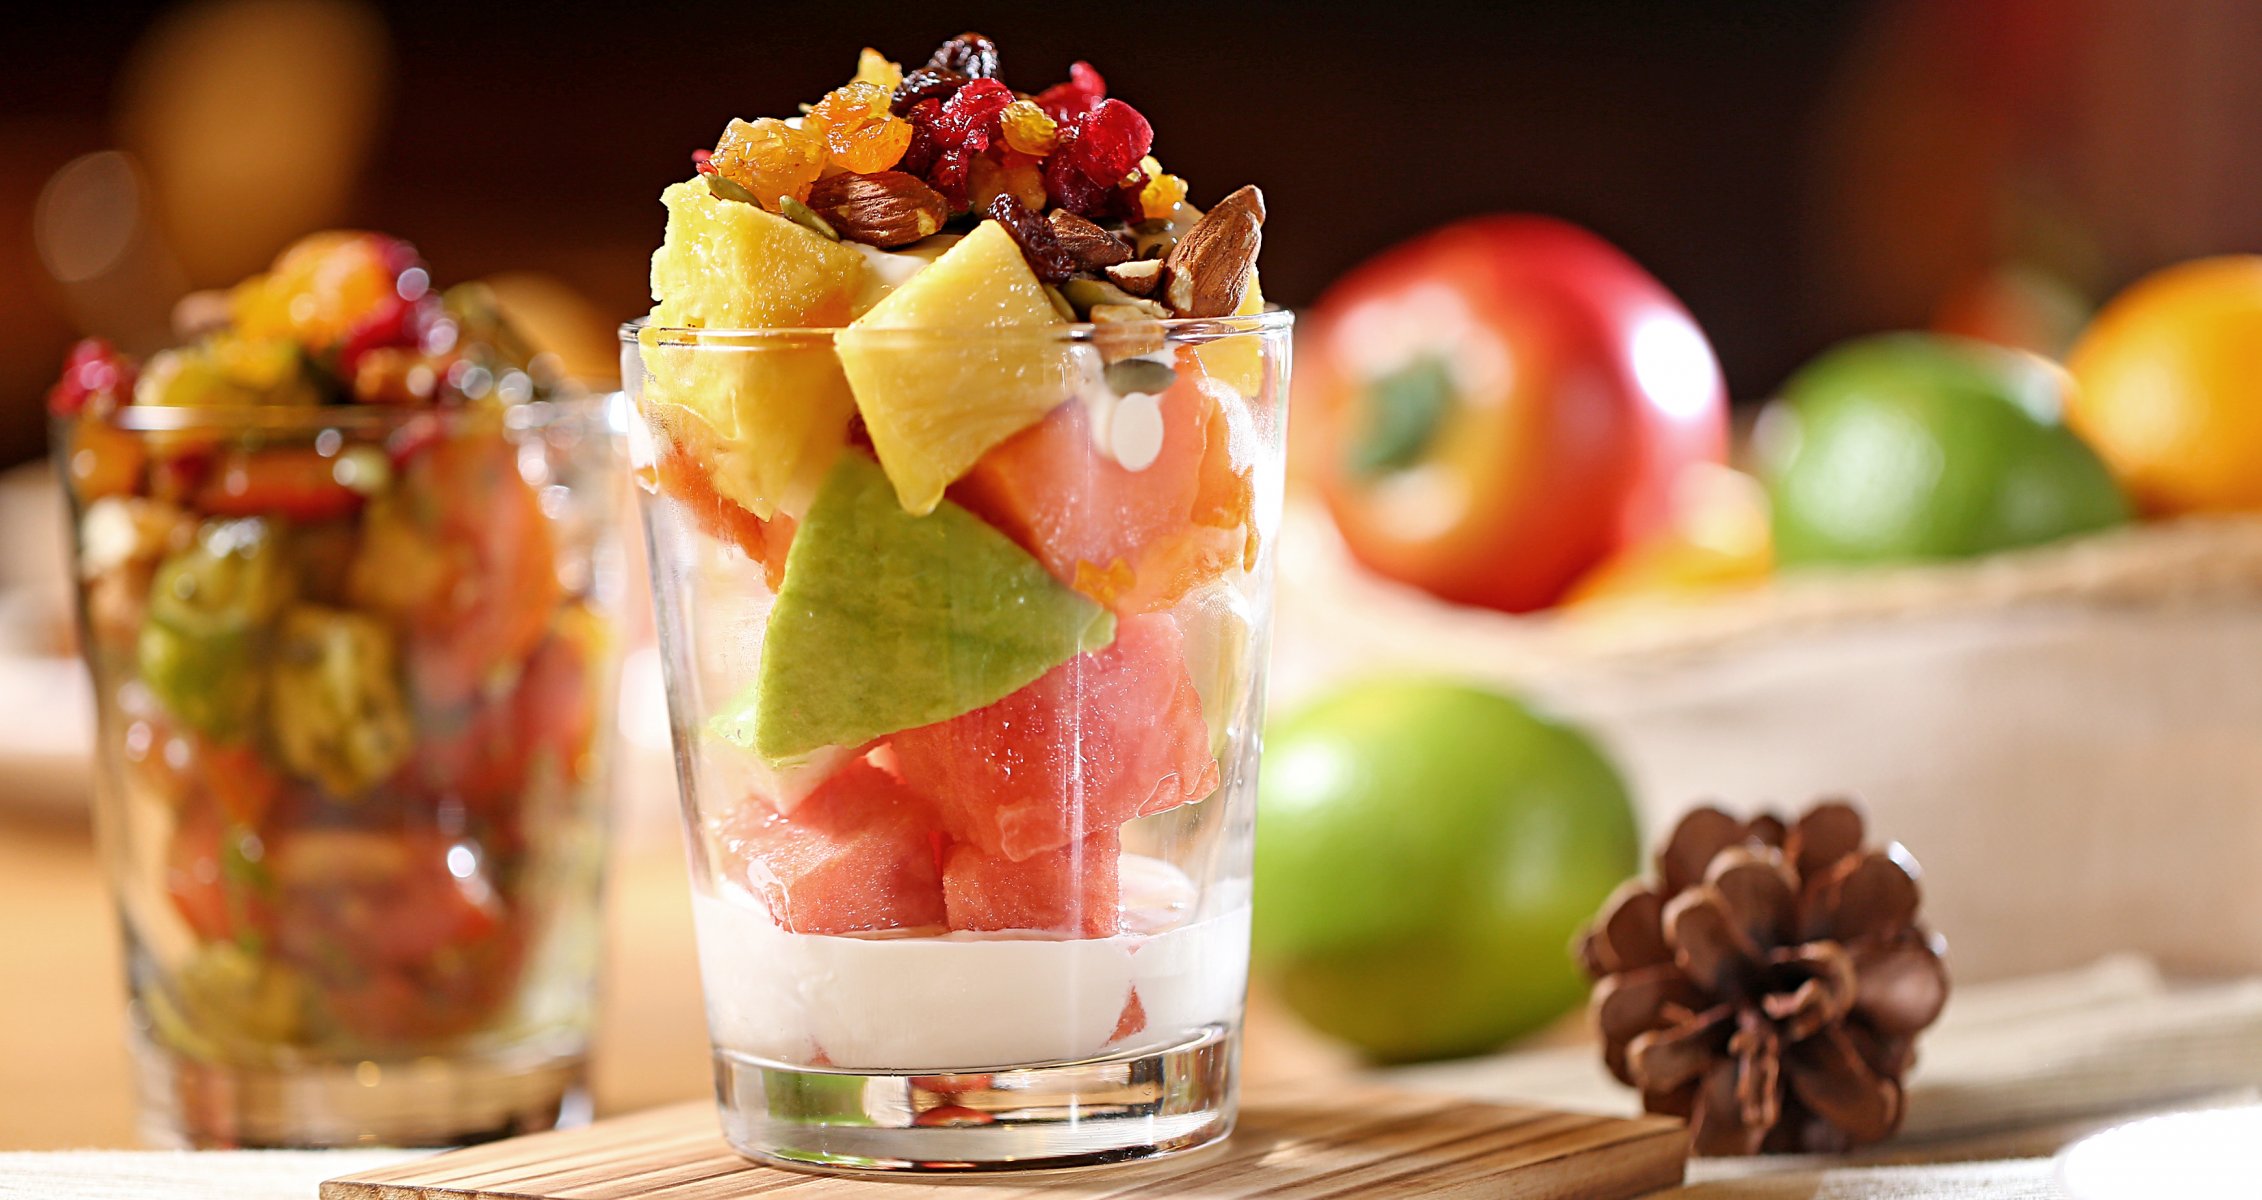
806 217
1140 375
726 188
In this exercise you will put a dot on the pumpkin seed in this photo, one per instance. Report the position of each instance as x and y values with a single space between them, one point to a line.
806 217
1059 302
1140 375
726 188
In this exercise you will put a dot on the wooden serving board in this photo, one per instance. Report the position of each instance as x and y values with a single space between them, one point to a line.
1290 1144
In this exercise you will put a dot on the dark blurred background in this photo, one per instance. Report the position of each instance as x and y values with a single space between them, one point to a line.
1795 170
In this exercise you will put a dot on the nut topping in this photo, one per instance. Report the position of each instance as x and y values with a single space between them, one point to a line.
1140 278
885 208
1207 273
1092 247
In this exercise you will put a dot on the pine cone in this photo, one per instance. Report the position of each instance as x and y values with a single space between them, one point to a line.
1770 985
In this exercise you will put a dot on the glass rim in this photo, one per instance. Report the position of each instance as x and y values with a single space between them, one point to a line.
357 418
1174 330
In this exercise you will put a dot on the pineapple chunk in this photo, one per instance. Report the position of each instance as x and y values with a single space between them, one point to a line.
726 264
777 410
1239 361
935 404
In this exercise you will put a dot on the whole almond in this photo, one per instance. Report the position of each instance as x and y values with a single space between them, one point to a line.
1092 247
1207 272
885 208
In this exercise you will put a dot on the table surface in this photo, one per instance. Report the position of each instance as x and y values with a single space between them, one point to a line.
65 1080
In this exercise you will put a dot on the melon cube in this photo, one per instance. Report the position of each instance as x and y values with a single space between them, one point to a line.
1071 890
858 854
1098 740
1135 537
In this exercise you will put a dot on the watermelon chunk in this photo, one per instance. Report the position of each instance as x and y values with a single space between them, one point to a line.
1070 890
858 854
1099 740
1135 540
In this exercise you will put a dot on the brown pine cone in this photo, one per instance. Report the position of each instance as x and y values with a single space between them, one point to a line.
1769 986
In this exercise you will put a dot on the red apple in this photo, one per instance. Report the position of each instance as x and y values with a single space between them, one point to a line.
1492 409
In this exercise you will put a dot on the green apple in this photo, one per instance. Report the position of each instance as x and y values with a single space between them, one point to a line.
1426 851
1914 447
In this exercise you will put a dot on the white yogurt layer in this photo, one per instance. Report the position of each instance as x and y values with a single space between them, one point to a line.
968 1001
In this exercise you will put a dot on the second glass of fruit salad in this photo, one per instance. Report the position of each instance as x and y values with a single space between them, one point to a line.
961 429
347 561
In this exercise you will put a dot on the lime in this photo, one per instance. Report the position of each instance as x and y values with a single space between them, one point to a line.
1426 851
1911 447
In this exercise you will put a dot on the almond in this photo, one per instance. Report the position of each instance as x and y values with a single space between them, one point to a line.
1092 247
1139 278
885 208
1207 273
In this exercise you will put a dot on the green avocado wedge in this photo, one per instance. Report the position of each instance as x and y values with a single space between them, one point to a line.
886 621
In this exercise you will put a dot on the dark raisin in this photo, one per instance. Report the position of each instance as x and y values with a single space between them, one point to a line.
968 54
926 83
1039 244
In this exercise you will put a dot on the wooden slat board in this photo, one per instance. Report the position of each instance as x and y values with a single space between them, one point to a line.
1290 1145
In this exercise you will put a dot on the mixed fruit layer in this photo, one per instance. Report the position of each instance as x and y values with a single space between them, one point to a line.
987 482
353 703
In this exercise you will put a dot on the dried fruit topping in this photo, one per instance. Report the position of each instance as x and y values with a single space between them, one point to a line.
94 369
1162 194
969 54
702 161
886 208
1039 244
1081 94
926 83
1096 151
770 158
1207 273
968 119
1091 246
859 129
1029 129
875 68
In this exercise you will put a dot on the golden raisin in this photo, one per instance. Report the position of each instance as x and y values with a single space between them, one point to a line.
1163 193
874 68
1028 129
769 158
859 132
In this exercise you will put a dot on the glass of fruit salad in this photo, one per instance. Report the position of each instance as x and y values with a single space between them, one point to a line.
347 565
960 428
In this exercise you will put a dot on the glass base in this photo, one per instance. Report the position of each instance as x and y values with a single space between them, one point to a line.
429 1101
1037 1118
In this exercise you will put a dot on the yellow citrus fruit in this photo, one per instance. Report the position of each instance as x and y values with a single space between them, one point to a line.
2171 387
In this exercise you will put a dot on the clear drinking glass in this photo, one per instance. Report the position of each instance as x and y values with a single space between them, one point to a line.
353 669
969 794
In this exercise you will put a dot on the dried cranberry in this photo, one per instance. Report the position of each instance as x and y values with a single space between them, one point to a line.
925 83
919 156
1081 94
700 160
1096 151
949 175
1039 243
969 118
93 368
969 54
